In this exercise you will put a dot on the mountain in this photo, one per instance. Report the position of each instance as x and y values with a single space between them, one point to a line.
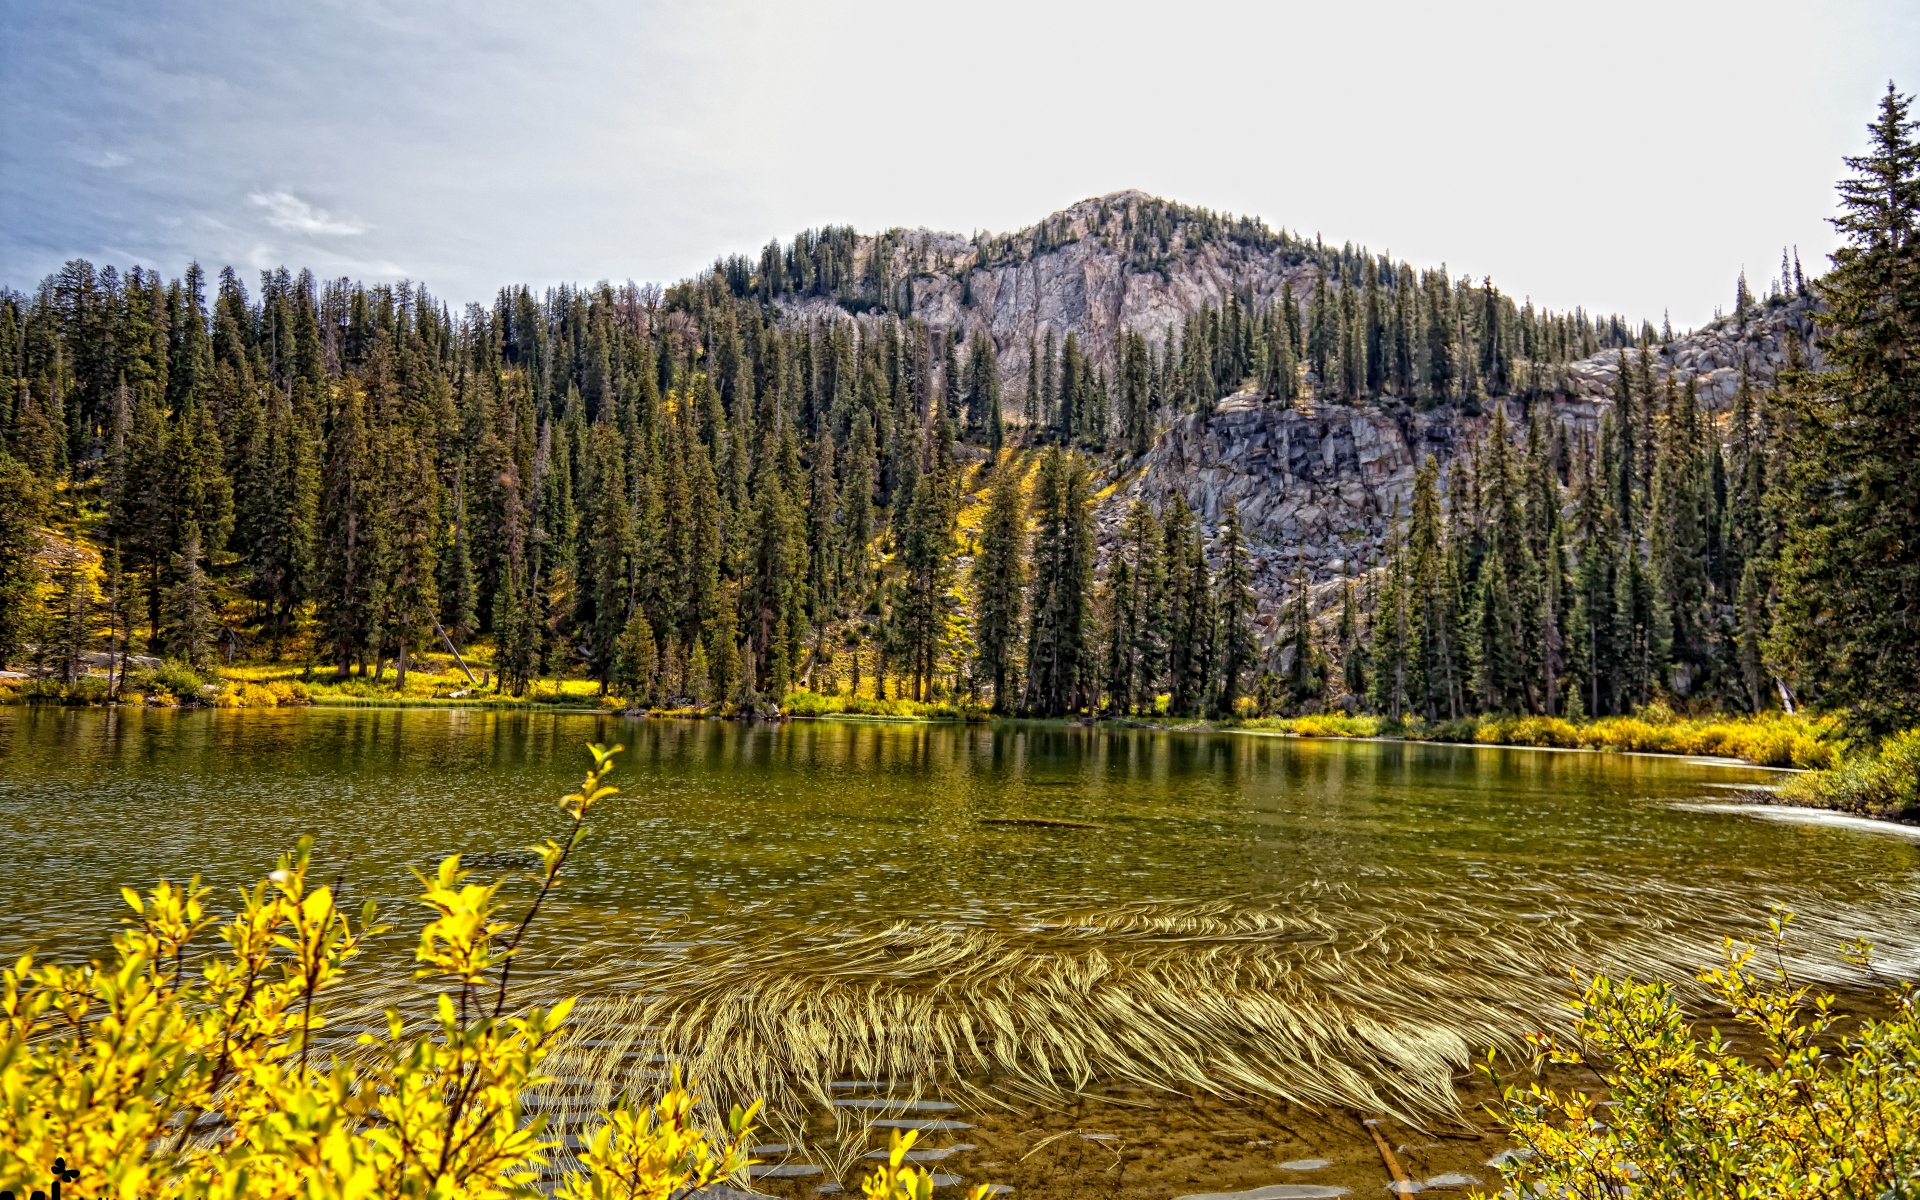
1315 481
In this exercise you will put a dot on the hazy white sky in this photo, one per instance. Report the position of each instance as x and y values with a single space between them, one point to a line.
1627 157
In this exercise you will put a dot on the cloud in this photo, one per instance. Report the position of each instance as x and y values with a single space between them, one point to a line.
288 211
106 160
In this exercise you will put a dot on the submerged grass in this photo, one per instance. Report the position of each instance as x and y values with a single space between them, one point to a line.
1330 997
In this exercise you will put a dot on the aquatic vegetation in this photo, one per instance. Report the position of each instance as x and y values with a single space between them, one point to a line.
1884 783
1315 997
1817 1113
172 1070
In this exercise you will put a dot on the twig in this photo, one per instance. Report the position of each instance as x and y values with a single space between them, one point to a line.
1386 1152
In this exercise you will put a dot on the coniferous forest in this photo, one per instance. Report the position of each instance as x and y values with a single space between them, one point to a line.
783 475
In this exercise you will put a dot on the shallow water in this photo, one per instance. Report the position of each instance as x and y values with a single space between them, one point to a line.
1398 898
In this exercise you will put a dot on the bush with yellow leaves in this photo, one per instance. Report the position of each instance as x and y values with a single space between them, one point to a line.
169 1071
1813 1114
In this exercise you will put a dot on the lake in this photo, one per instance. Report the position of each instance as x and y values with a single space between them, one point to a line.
789 907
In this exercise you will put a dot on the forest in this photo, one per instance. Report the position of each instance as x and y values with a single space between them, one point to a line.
774 477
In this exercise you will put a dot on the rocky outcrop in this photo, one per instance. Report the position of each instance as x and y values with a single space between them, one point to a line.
1316 484
1084 279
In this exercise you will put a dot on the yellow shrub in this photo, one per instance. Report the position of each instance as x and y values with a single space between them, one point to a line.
245 693
1814 1115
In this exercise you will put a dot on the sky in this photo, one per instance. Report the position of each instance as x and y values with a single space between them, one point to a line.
1631 157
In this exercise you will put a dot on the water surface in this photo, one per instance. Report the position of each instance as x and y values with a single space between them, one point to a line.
1404 892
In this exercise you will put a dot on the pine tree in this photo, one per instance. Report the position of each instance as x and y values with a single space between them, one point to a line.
456 571
71 620
607 598
1117 619
636 661
999 583
1677 548
724 661
1433 655
22 503
925 560
1141 542
1353 653
1189 610
349 545
409 585
1235 604
1389 655
699 685
856 508
1306 673
1850 568
191 620
1497 674
1059 628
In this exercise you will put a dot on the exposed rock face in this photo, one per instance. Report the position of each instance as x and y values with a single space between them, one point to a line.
1086 285
1087 289
1316 484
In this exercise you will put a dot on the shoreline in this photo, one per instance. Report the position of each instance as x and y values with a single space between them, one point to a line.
1748 800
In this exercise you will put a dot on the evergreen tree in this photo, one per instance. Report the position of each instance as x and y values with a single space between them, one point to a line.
1189 610
1059 628
724 661
1677 548
1850 568
607 598
349 545
1117 620
191 619
1389 655
1306 673
1235 605
636 661
699 684
1353 653
925 559
70 626
456 572
409 584
22 503
1142 545
999 583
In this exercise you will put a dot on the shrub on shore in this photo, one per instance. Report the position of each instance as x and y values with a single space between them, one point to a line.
1884 783
1815 1114
1770 740
818 704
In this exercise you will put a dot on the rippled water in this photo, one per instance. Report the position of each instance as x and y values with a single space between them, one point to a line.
1404 882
